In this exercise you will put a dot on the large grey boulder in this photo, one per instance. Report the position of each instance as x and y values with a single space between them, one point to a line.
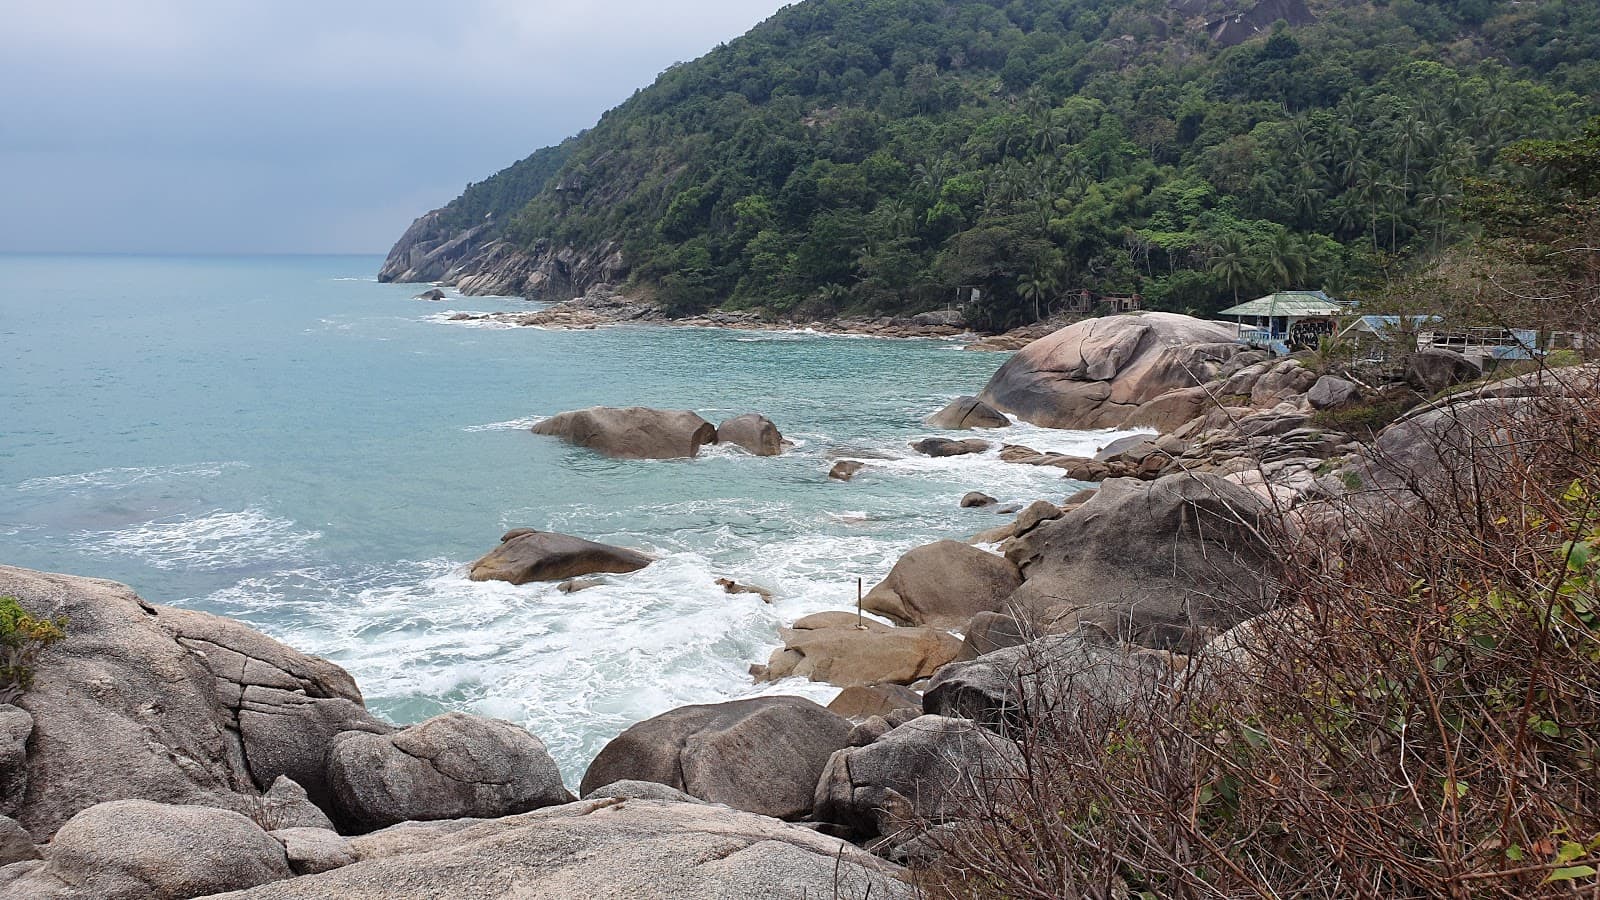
1094 373
449 767
633 432
943 584
762 755
1431 371
1332 392
967 412
834 647
636 849
1283 381
1051 678
927 770
156 703
753 432
525 555
139 850
867 700
1158 563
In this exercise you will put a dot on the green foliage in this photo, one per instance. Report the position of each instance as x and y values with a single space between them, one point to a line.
1362 420
899 148
21 638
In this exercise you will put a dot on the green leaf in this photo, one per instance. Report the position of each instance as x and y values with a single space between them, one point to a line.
1515 854
1570 850
1570 873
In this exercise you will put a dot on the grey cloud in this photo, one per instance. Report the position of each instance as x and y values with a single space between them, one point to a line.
291 126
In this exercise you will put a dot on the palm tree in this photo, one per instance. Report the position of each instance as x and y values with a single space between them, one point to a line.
1231 263
1036 287
1285 263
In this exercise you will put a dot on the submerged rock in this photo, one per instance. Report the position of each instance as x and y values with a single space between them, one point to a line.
761 755
526 555
633 432
845 469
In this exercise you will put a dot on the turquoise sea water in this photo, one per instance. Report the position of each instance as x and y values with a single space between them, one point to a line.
287 442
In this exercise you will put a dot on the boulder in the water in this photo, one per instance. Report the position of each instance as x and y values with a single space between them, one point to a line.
634 432
548 556
967 412
937 446
430 294
845 469
753 432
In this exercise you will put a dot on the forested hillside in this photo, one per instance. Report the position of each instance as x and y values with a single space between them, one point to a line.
877 156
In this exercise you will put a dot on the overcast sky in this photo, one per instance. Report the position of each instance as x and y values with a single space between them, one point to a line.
284 126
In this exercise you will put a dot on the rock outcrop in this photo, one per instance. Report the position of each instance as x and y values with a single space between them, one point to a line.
1156 563
753 432
476 261
831 647
1095 373
761 755
642 849
526 555
633 432
450 767
967 412
845 469
943 584
174 706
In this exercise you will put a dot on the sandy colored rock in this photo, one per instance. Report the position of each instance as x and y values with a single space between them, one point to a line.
548 556
943 584
840 653
633 432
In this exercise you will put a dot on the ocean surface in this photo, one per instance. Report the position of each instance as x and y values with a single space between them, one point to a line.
287 442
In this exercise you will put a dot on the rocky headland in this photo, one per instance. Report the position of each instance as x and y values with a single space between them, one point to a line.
165 752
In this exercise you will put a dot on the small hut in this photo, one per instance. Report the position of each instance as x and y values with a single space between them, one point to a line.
1286 321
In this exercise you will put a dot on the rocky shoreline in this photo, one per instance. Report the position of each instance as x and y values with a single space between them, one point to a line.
603 306
159 751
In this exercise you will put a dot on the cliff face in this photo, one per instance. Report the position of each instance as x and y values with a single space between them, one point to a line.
477 261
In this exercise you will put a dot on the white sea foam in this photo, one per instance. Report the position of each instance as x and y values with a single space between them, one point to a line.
219 539
522 424
126 476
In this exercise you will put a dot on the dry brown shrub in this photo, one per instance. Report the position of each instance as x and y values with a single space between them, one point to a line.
1422 721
